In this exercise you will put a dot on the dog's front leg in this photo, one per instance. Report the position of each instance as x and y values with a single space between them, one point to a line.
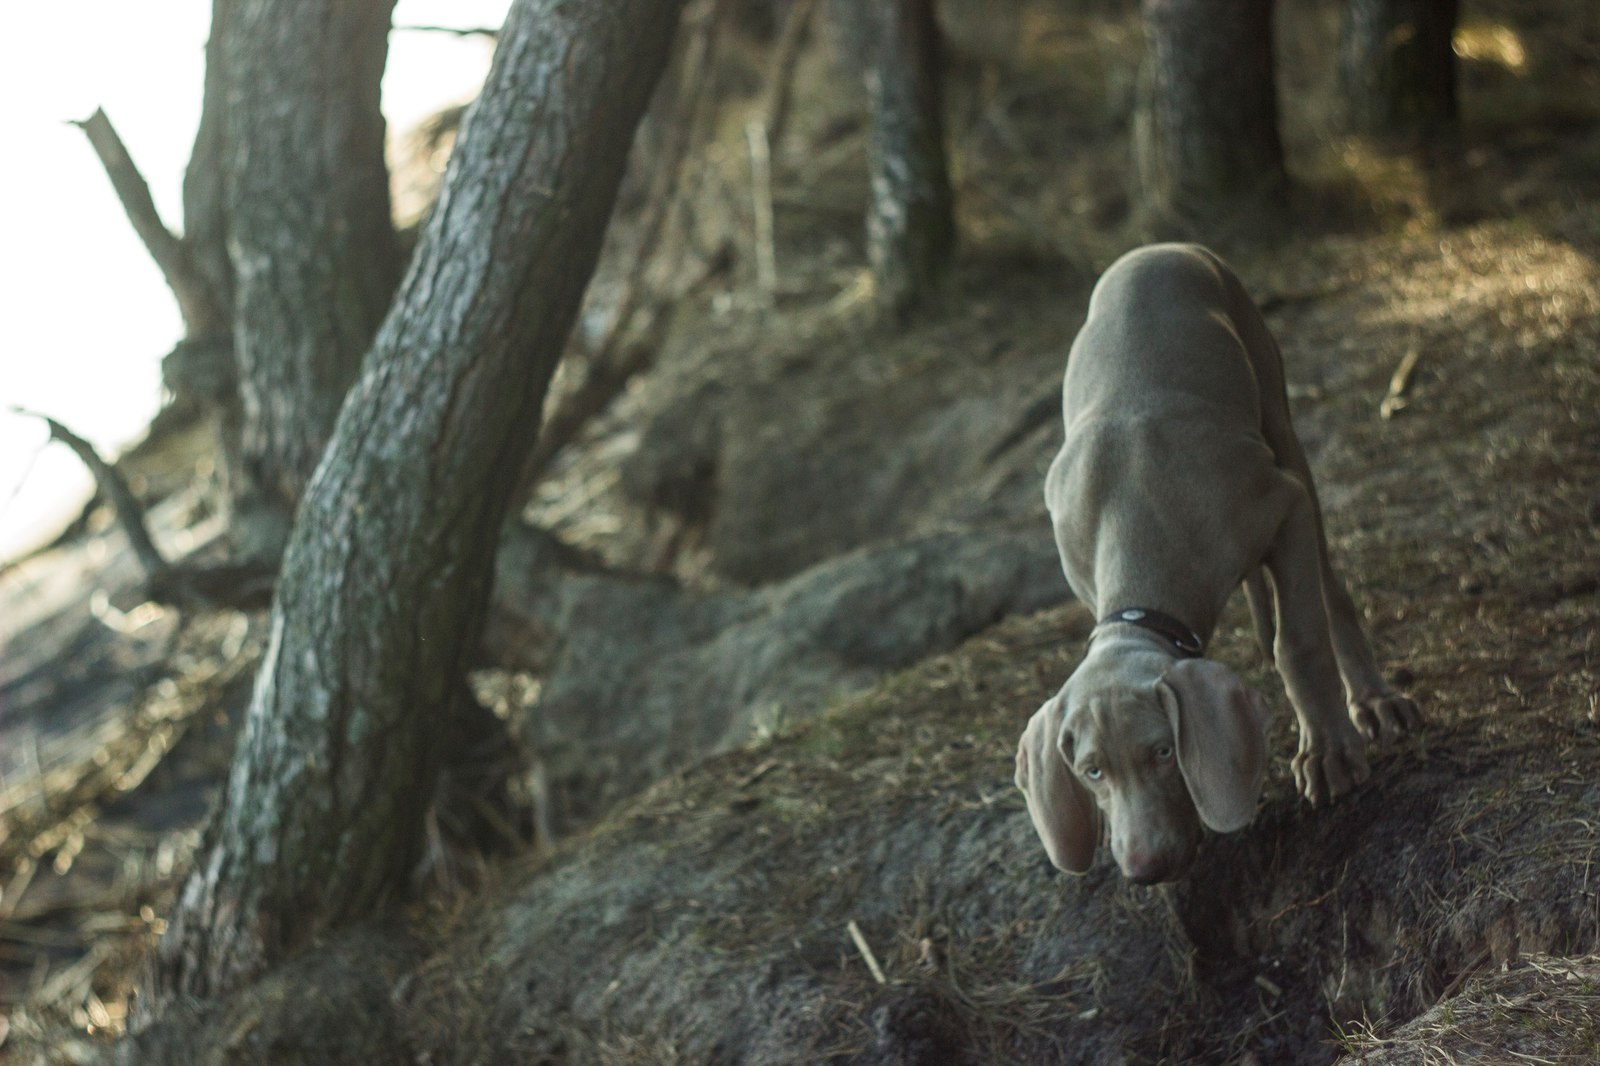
1377 710
1331 760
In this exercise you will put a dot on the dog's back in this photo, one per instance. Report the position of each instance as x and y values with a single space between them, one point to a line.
1161 337
1162 406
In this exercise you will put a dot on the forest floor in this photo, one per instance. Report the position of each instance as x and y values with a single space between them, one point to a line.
852 877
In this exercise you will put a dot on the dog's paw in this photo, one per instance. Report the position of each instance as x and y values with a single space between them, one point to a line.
1326 767
1385 716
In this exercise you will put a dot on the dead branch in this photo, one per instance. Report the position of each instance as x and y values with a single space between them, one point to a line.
245 586
765 135
202 312
780 89
687 126
52 808
613 363
129 512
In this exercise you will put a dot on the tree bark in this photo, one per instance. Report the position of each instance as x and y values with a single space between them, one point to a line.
911 230
314 254
1208 154
1397 65
385 582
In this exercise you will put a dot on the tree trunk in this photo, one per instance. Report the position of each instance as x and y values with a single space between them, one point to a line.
385 581
1398 65
1208 156
205 217
201 372
314 254
911 229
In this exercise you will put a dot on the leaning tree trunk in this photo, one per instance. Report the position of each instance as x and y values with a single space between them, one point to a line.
1208 155
910 221
1397 65
387 573
314 253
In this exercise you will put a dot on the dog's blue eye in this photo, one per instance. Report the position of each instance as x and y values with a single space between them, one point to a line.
1164 753
1093 773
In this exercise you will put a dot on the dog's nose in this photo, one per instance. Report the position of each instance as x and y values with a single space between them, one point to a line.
1147 867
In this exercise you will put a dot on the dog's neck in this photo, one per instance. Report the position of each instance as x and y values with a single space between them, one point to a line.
1183 586
1180 639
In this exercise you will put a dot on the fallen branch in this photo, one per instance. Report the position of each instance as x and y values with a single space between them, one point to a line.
202 312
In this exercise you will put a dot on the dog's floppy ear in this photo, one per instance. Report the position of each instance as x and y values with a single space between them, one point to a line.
1063 812
1221 727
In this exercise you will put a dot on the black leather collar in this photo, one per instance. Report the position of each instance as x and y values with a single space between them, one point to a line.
1183 639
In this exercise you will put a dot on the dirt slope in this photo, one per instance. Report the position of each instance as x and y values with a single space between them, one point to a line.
707 920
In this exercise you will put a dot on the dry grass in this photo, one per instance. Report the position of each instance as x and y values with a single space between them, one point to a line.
84 886
1543 1011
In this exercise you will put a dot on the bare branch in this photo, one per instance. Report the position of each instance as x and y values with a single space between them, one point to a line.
457 31
129 511
202 315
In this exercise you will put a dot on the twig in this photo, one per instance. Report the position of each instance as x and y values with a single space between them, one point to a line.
1398 398
780 89
128 509
18 887
866 952
202 312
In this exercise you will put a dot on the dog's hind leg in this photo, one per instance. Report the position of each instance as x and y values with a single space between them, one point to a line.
1258 593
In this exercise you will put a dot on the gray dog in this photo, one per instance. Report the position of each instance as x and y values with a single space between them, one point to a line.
1180 479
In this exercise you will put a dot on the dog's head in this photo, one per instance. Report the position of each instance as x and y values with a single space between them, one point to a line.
1145 763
